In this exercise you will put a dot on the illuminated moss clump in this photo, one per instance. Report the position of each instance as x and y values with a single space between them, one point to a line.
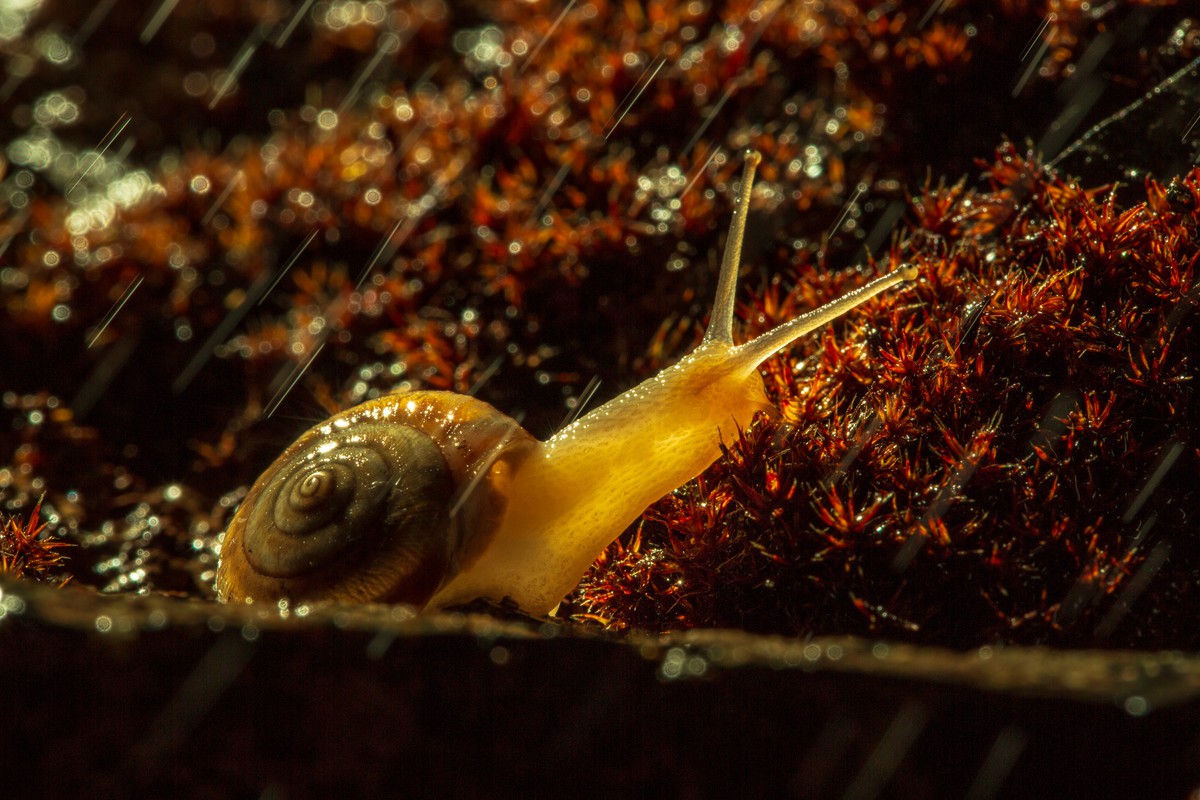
1002 453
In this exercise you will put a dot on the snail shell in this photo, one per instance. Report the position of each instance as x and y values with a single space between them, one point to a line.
378 503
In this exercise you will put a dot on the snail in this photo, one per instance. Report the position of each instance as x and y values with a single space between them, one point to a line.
434 499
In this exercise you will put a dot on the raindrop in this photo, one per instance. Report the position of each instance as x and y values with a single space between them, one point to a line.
327 120
673 663
1136 706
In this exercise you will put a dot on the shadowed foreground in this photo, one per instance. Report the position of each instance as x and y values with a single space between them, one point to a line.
152 696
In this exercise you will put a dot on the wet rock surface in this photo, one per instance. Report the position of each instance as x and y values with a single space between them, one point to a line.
123 695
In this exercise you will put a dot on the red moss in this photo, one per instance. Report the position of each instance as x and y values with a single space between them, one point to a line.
27 550
973 459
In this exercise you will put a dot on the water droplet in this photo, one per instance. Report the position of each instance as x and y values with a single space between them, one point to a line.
1136 706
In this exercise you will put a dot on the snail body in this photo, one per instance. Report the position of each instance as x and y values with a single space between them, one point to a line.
435 498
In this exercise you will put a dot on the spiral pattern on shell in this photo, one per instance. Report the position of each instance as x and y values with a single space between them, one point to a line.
375 497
